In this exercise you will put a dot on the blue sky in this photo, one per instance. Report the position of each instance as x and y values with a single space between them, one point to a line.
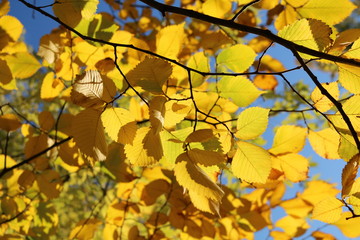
37 25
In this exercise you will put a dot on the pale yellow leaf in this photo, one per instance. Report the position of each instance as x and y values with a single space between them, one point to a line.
119 124
317 191
297 207
169 41
193 178
310 33
354 51
348 175
146 148
330 11
251 163
252 122
288 139
176 112
89 54
92 90
237 58
206 158
349 77
205 204
296 3
157 113
328 210
325 143
239 89
321 102
51 87
22 64
150 74
199 62
293 226
92 143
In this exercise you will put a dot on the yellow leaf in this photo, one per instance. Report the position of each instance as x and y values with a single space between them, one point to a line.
294 166
10 30
51 87
92 143
5 73
328 210
119 124
205 204
199 62
252 122
194 179
265 82
85 229
330 11
92 90
347 148
285 18
157 113
349 77
352 108
241 90
354 51
271 64
169 41
317 191
238 58
318 235
146 148
296 3
325 143
348 175
89 54
206 158
310 33
251 163
321 102
9 122
150 74
72 12
349 227
216 8
288 139
4 7
293 226
175 112
201 135
297 207
22 64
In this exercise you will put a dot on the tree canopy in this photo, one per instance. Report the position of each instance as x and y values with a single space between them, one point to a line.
180 120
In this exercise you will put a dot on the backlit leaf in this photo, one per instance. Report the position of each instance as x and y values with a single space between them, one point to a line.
10 30
146 148
157 113
321 102
85 229
237 58
294 166
5 73
251 163
349 77
348 175
216 8
288 139
328 210
194 179
206 158
252 122
349 227
92 90
92 143
169 41
325 143
119 124
201 135
150 74
22 64
317 191
51 87
331 11
199 62
310 33
239 89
